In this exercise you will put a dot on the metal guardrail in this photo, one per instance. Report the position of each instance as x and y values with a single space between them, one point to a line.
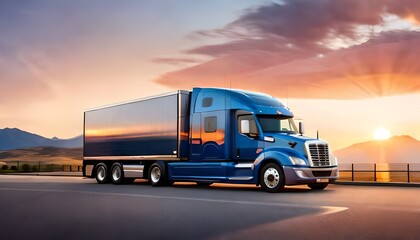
380 172
354 172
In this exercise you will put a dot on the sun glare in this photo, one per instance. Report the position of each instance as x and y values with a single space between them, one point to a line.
382 134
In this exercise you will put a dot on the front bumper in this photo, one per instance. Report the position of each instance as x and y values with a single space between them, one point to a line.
305 175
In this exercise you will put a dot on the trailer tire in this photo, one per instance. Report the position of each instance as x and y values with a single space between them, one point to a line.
117 173
157 175
317 186
102 174
272 178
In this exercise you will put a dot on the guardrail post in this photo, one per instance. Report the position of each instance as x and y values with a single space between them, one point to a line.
374 172
408 172
352 172
71 170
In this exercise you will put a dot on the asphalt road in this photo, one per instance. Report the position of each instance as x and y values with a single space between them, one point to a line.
42 207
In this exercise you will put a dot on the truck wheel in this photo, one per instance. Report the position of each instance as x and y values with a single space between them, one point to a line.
272 178
317 186
117 173
102 175
157 176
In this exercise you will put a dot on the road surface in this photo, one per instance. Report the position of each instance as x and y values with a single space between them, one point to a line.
45 207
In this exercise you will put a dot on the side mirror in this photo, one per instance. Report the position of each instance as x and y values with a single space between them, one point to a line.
301 128
245 128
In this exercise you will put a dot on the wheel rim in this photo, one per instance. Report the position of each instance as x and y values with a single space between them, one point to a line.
271 178
155 174
101 173
116 173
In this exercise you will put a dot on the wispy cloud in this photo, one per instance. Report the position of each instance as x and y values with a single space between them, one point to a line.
313 49
22 77
175 61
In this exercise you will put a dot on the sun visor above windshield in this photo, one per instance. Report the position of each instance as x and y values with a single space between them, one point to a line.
267 110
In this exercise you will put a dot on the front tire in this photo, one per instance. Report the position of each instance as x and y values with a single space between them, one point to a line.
272 178
317 186
157 175
102 175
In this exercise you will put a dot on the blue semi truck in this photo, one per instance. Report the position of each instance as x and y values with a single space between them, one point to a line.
207 135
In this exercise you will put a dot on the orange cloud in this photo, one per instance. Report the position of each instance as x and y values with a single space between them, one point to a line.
285 49
387 65
368 70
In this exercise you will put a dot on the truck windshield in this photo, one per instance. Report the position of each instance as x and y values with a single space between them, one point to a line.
278 124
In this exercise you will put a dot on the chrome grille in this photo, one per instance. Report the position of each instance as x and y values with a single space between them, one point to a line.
319 154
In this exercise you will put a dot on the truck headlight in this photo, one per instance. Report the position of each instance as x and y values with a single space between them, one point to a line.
297 161
333 159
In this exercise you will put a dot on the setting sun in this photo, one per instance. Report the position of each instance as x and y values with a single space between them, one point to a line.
382 134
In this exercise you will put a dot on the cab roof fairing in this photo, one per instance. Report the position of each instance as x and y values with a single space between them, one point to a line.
257 103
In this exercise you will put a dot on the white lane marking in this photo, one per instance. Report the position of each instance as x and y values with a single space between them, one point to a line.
326 209
331 210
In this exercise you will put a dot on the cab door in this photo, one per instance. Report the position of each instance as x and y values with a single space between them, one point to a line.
247 146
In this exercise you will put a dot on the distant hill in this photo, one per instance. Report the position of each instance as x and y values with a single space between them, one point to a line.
14 138
398 149
44 154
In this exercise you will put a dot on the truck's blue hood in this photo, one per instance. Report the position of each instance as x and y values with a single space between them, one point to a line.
292 141
281 138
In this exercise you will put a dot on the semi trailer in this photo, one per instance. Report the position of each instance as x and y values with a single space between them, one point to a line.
207 135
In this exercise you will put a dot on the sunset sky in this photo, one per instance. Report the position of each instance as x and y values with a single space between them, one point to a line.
346 67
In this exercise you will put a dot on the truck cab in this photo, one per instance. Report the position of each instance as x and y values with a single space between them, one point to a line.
238 136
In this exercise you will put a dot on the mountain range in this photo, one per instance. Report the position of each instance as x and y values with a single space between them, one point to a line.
14 138
397 149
